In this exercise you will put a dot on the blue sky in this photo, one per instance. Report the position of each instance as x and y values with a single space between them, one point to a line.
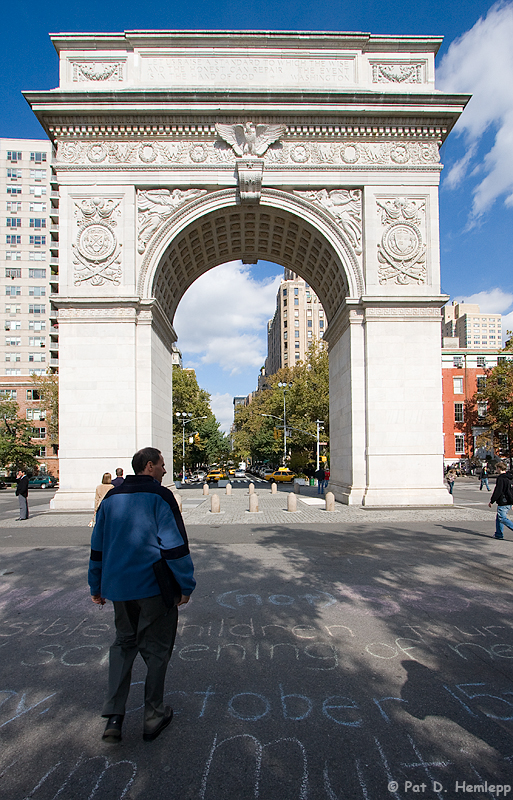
476 195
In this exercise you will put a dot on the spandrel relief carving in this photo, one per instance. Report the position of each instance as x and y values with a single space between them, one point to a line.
345 205
402 252
96 251
155 206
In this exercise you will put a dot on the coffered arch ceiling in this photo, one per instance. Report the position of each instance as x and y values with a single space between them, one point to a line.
251 233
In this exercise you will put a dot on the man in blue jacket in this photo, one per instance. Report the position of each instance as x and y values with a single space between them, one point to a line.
137 523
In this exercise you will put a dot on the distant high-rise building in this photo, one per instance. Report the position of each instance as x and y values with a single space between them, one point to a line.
29 276
473 328
298 320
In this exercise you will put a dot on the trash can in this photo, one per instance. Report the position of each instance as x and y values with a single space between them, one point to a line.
312 481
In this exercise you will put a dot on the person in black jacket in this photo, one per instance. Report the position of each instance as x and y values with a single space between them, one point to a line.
22 483
503 496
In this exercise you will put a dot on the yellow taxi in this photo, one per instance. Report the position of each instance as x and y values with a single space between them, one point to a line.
215 475
282 475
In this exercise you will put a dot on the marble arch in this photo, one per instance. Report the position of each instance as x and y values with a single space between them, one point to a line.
178 150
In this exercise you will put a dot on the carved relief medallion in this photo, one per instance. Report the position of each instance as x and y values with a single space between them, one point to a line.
401 252
97 253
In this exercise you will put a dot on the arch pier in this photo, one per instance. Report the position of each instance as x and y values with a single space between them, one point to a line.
179 151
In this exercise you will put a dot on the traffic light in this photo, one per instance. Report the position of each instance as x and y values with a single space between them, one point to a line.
275 433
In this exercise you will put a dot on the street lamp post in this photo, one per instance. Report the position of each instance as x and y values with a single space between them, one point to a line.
318 422
184 417
284 386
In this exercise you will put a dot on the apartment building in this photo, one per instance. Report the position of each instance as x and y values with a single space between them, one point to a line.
474 329
28 278
298 320
464 371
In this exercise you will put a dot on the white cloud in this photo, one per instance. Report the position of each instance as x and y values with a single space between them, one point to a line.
222 407
481 63
222 318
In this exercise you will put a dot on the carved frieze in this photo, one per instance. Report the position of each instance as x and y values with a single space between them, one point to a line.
97 71
339 152
155 206
345 205
398 73
96 250
402 252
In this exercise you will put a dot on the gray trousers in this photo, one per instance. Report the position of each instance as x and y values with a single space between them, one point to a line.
146 627
23 506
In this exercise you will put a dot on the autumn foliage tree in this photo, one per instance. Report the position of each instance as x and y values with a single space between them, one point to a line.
498 396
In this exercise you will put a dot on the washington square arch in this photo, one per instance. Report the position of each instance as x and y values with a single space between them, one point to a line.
178 151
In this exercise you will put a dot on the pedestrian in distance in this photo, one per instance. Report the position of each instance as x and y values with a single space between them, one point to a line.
118 480
138 524
484 477
503 496
101 490
22 482
450 478
321 476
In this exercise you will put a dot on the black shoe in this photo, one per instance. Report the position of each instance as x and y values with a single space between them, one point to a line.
166 719
498 537
112 732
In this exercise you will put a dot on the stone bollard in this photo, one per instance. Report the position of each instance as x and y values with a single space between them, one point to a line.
228 488
178 498
291 502
274 488
330 501
253 502
297 488
205 488
215 504
251 488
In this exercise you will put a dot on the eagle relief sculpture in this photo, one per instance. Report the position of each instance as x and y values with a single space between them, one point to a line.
250 139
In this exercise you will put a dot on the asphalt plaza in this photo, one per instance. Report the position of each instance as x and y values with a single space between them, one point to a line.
317 659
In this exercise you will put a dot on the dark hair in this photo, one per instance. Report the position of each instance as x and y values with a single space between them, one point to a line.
142 457
119 472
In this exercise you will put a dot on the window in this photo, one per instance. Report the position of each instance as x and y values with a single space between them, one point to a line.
39 433
459 443
285 323
296 334
12 357
13 291
37 240
309 323
284 293
35 413
457 385
12 240
37 256
38 158
37 325
12 341
457 361
37 357
13 206
13 190
13 272
296 301
33 394
284 303
42 450
8 394
309 334
37 309
37 273
321 323
12 325
37 207
37 191
37 341
14 174
309 312
296 323
11 309
481 409
285 335
37 291
481 383
13 222
12 255
481 361
37 174
13 371
297 356
37 222
13 155
458 412
37 371
296 291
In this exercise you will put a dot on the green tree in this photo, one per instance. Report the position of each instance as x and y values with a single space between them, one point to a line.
208 444
498 395
17 451
48 388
